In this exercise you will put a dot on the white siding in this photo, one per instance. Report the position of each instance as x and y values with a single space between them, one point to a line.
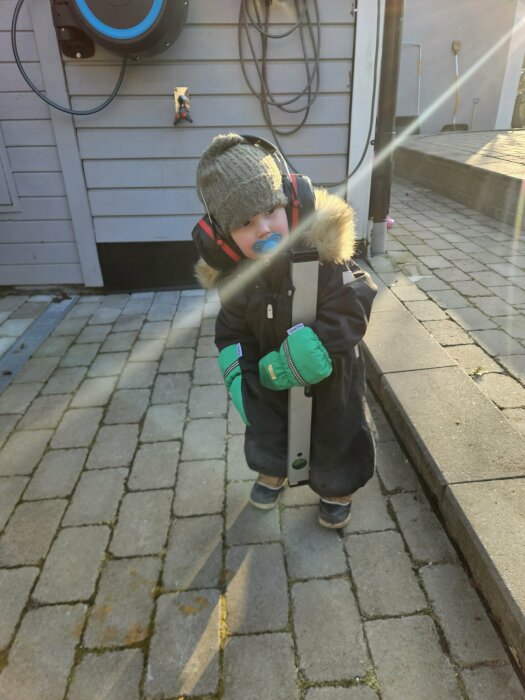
37 244
140 169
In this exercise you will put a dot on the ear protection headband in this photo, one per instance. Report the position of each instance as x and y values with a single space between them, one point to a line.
220 251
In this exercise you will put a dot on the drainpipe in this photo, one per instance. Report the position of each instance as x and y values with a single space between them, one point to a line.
385 125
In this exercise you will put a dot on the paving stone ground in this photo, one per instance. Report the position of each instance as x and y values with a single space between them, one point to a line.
462 275
132 566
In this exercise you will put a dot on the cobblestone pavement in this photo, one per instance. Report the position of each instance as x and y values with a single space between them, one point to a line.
17 313
462 275
132 566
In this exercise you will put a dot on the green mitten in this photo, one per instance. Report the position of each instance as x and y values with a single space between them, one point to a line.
231 371
301 360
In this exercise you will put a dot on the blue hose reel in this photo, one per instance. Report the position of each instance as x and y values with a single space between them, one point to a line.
131 27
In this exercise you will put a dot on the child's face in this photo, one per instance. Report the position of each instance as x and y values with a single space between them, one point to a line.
258 228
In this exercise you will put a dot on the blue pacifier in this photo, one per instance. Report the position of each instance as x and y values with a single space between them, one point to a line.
267 245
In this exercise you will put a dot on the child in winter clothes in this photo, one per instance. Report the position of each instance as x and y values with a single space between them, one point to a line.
241 186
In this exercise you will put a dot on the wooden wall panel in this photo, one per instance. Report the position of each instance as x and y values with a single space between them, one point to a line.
214 78
225 112
37 244
189 143
32 275
180 172
139 168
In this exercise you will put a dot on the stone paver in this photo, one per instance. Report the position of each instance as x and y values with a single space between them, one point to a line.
154 466
72 565
11 488
473 359
171 388
22 452
194 553
207 401
143 523
77 428
137 375
64 380
427 542
45 412
81 354
370 510
361 692
337 651
37 370
177 360
30 532
121 613
45 644
324 555
243 526
236 466
204 439
396 590
395 471
133 567
127 406
256 594
96 497
17 397
243 678
114 447
15 586
410 644
468 631
94 392
493 682
7 423
114 675
200 488
163 422
56 474
185 621
504 391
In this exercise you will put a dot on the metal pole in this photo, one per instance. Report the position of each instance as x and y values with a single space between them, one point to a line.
386 118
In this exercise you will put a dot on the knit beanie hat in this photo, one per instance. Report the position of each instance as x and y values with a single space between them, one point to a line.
237 180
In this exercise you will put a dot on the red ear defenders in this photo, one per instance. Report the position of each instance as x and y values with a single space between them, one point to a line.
220 251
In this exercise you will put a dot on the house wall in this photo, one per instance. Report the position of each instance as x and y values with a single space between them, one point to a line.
478 24
138 168
37 243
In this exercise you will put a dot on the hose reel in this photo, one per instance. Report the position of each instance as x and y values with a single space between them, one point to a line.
132 28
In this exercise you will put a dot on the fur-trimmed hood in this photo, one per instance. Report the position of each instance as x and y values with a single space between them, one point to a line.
332 233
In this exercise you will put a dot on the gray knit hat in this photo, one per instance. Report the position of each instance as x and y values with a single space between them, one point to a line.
237 180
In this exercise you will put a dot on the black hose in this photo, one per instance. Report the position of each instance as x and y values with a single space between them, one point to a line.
67 110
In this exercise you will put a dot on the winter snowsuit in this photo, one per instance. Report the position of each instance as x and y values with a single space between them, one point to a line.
342 449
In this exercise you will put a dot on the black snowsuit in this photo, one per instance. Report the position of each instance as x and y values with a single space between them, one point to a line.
342 449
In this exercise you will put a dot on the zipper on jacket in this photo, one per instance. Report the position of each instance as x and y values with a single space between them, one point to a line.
291 364
230 369
269 310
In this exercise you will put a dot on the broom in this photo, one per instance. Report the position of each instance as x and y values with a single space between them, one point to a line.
456 47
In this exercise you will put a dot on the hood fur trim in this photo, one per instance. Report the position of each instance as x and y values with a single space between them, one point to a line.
332 233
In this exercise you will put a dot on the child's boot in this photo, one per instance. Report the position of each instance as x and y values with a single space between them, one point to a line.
266 491
335 512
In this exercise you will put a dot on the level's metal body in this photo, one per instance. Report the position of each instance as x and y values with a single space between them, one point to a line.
304 274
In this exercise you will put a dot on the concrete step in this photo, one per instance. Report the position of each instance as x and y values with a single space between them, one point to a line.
468 173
